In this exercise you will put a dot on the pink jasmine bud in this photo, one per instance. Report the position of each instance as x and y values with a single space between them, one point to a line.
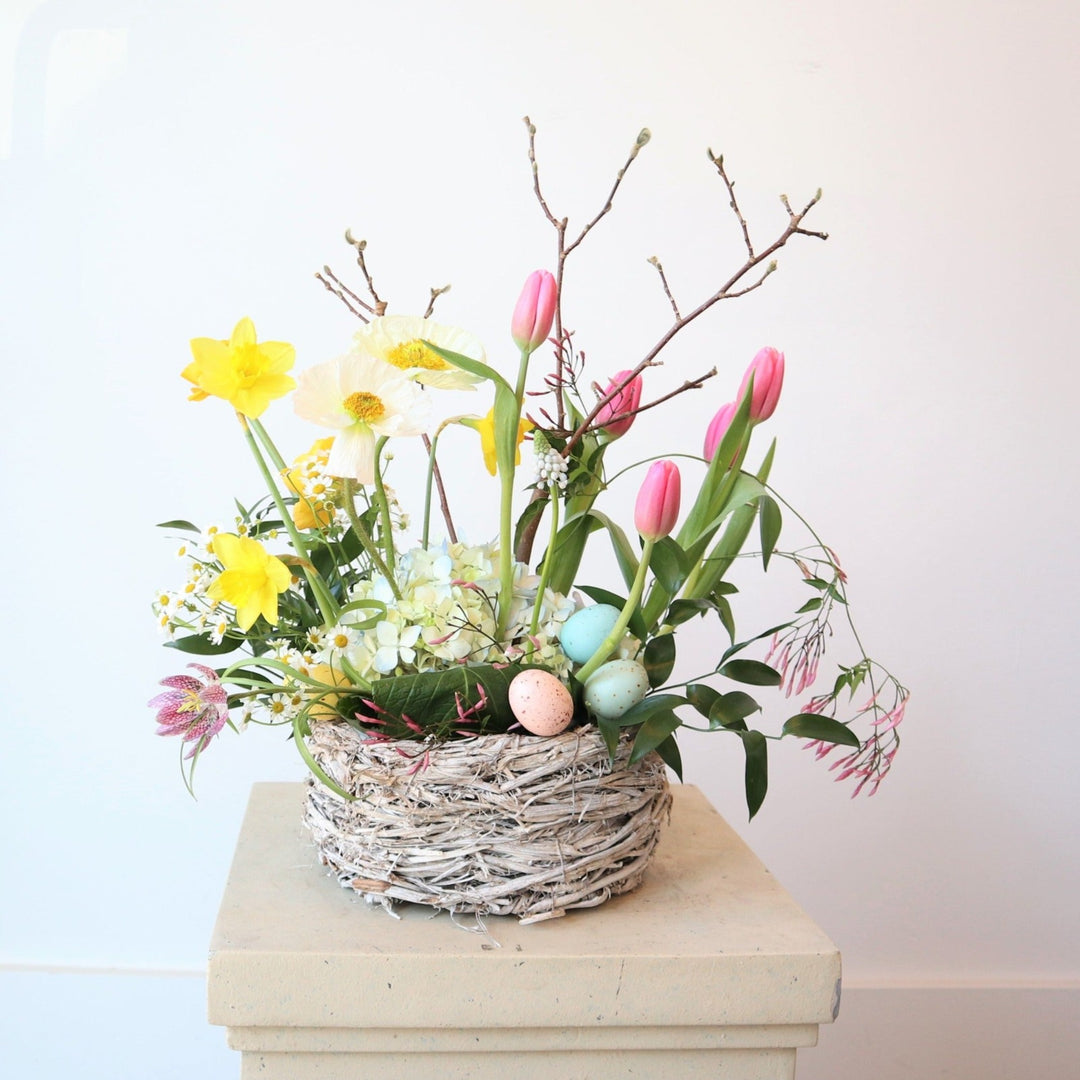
718 428
625 400
767 367
535 310
657 507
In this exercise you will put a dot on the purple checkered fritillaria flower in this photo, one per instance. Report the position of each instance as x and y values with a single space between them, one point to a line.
192 708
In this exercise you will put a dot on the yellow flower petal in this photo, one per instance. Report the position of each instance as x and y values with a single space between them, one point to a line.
251 580
247 375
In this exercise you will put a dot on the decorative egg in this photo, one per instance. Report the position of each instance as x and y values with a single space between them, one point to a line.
584 632
540 702
616 687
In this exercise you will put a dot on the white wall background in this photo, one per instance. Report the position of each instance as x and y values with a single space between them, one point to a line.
168 167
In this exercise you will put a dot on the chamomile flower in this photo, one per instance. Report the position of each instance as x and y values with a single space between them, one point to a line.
338 639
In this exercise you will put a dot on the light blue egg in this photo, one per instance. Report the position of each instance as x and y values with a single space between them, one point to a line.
615 687
584 632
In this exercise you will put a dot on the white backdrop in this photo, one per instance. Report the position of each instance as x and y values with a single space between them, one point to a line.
167 168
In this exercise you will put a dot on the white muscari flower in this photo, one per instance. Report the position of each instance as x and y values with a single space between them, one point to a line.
399 340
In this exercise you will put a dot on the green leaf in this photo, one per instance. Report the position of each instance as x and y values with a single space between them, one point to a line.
566 552
299 724
756 775
430 697
532 511
603 596
825 728
179 523
624 552
659 659
610 731
752 672
769 522
201 645
812 604
640 713
668 563
728 653
669 754
467 363
652 733
701 696
731 710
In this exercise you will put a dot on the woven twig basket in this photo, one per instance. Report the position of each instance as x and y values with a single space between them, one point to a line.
496 825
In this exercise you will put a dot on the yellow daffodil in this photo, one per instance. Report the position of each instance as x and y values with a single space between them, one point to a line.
247 374
314 508
486 430
251 580
399 340
362 398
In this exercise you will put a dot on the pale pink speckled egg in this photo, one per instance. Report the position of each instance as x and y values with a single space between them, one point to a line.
540 702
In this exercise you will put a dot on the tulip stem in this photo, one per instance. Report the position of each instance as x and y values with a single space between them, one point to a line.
608 645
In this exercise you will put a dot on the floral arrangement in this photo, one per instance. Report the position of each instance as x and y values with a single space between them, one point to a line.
340 617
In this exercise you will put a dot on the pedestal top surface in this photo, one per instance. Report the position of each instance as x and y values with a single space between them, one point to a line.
709 937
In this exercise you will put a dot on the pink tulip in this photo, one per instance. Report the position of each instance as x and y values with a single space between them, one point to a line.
535 311
718 429
623 401
657 507
767 367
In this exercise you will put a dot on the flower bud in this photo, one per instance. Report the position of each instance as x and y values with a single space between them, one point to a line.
657 507
624 401
767 368
718 429
535 311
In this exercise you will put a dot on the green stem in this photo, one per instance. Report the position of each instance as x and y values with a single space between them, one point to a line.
506 553
428 487
384 507
549 562
325 602
369 545
608 645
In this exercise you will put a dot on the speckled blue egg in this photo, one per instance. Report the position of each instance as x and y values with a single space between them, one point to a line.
584 632
616 687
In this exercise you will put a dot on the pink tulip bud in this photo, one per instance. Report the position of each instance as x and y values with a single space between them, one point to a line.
767 367
718 429
535 310
624 401
657 507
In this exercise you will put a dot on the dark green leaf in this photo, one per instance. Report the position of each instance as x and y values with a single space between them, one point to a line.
659 659
669 754
610 730
825 728
811 605
179 524
751 672
201 645
731 710
701 696
531 512
728 653
640 713
756 776
668 564
769 522
652 733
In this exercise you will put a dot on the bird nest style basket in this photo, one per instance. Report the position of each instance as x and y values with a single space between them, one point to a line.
497 825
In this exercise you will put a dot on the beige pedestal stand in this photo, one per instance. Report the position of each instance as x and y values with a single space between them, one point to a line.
708 970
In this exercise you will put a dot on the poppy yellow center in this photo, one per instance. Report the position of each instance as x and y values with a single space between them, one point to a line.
415 354
364 406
